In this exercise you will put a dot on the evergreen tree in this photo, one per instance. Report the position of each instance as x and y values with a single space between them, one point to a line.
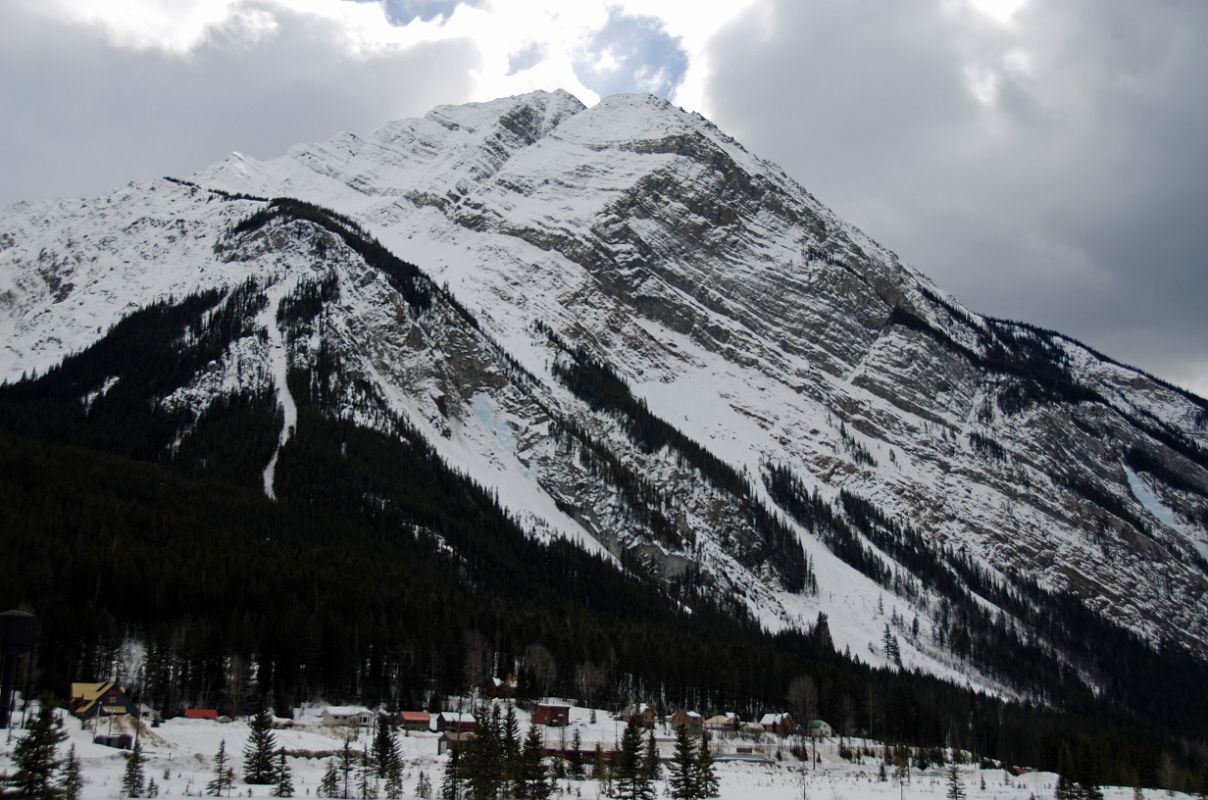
285 780
599 769
682 781
450 785
133 780
1067 788
329 784
394 780
651 767
423 786
366 788
36 755
533 780
956 789
259 754
224 776
510 747
346 767
706 775
72 782
152 788
629 777
576 756
386 752
482 765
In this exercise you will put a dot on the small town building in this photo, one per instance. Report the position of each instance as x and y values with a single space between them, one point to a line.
691 720
348 716
416 720
451 741
503 688
100 700
722 722
551 714
779 724
643 713
819 729
202 713
458 722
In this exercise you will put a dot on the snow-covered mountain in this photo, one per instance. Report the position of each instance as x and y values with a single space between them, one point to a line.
646 339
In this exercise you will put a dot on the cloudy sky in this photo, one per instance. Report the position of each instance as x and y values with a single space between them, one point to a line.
1044 160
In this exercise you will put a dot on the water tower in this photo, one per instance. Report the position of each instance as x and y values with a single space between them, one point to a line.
18 632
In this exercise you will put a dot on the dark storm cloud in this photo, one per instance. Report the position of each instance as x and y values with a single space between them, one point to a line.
638 54
1071 195
85 117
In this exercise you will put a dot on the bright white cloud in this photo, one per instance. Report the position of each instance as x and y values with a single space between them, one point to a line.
560 32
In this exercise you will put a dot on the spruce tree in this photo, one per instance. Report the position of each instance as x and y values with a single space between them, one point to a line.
956 789
599 769
482 765
394 782
72 782
423 786
329 784
1067 788
386 752
510 747
36 755
366 788
450 785
346 766
682 781
133 780
650 759
706 775
259 754
576 756
533 781
224 776
285 780
629 778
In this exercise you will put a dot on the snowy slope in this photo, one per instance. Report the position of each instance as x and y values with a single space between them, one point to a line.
740 309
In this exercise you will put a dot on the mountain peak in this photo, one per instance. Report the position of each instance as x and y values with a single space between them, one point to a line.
546 109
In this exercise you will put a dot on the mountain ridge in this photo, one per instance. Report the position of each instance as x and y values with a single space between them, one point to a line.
664 250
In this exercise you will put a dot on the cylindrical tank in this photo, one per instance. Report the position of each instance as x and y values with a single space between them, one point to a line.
18 633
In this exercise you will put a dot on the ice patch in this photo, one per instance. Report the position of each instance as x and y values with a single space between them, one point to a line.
1153 505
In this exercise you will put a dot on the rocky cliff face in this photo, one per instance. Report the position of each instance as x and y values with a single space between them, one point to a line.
642 323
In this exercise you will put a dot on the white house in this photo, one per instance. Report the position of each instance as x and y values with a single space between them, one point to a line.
350 716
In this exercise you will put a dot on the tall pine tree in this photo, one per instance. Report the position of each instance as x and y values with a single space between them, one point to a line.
36 755
224 776
706 774
133 780
285 780
629 781
533 782
682 781
259 754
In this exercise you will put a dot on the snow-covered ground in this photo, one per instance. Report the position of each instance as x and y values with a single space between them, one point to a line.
180 760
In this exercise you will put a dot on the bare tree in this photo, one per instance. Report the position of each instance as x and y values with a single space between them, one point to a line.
590 678
541 665
478 660
803 698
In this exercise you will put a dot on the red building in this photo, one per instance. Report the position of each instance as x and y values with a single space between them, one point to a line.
201 713
552 715
416 720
